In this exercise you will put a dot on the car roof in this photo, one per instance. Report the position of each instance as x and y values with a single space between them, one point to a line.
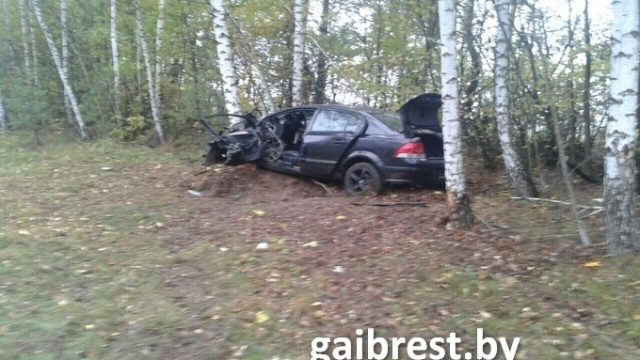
359 108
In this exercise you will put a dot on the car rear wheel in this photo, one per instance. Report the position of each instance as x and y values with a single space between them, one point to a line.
362 179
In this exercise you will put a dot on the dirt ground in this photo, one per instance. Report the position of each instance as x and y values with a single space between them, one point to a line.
110 251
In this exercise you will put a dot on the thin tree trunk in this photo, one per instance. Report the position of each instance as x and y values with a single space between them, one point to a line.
571 143
65 54
155 113
299 30
138 66
460 215
522 186
115 58
55 54
583 233
225 59
321 77
34 52
620 143
25 44
159 34
586 94
3 118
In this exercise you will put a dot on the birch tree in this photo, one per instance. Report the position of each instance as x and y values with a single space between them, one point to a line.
141 39
3 118
115 57
513 166
24 37
64 34
225 58
55 55
34 51
620 142
460 215
586 93
159 33
299 30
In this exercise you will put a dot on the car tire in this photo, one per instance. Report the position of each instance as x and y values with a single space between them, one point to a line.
362 178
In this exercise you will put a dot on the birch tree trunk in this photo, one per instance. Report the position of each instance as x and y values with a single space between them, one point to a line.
299 30
25 42
225 59
155 113
3 118
159 33
460 215
34 52
115 57
65 53
522 186
620 143
586 93
55 54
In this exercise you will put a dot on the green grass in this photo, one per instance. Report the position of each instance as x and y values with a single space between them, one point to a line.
84 274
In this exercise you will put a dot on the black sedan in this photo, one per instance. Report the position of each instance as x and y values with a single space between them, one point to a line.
365 148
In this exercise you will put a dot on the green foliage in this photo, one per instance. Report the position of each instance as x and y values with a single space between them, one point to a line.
133 128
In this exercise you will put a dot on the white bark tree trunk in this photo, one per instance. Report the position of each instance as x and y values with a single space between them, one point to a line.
299 30
225 58
55 54
25 42
115 57
513 166
460 215
159 33
155 113
3 118
34 52
620 143
65 53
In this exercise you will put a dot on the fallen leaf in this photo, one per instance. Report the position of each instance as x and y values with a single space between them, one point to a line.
592 264
23 232
262 317
341 217
262 246
258 212
89 326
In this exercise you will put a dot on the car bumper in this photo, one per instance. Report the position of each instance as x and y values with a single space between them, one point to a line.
430 172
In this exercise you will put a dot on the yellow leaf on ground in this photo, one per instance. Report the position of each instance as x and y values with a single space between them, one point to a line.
261 317
341 217
259 212
23 232
592 264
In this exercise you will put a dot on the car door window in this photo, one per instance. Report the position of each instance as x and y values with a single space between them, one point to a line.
336 121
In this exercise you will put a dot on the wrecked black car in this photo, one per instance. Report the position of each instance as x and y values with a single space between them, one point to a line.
363 147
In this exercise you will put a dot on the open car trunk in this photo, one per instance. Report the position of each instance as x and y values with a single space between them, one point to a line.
420 119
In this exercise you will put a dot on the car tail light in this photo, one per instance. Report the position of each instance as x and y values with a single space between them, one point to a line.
411 150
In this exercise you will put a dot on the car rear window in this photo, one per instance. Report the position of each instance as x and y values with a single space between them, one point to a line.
392 120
